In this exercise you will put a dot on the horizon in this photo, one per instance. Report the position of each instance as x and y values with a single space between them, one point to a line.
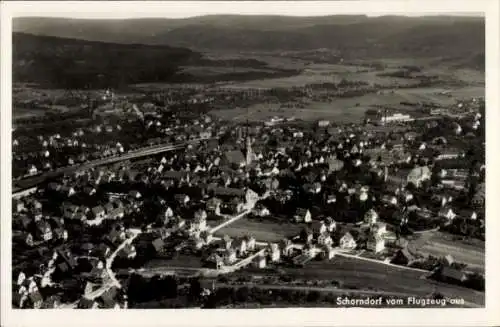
368 15
190 9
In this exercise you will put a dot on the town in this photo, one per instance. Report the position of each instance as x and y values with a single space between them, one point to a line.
154 193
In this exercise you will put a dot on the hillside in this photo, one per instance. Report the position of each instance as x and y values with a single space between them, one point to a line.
354 36
70 63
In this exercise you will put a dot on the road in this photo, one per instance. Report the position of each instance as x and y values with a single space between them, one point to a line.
230 221
33 181
112 282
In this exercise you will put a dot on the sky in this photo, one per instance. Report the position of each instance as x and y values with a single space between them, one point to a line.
184 9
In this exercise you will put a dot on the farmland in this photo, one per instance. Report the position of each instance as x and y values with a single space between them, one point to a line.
264 231
440 244
346 110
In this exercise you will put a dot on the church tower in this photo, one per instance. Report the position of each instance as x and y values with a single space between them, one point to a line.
249 152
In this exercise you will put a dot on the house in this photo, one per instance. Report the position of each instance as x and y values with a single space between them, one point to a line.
371 217
158 245
286 247
389 200
35 299
309 250
32 170
402 257
375 243
452 275
117 234
379 228
325 239
135 194
213 205
328 252
319 227
182 199
302 216
251 197
129 251
18 206
250 243
229 256
330 224
418 175
29 240
347 242
261 211
69 210
98 212
332 198
261 261
168 213
240 245
234 157
447 213
274 252
215 260
44 231
206 237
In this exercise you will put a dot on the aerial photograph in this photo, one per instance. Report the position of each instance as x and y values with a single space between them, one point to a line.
248 161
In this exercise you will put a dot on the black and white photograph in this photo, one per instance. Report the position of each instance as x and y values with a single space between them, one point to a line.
212 156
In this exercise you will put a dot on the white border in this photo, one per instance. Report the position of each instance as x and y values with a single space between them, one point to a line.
271 317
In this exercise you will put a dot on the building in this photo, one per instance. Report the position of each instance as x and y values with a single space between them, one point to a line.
375 243
371 217
418 175
323 123
325 239
347 242
274 252
302 216
396 117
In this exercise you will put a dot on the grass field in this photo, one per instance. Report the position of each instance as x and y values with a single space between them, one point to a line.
217 70
440 244
181 260
264 231
374 276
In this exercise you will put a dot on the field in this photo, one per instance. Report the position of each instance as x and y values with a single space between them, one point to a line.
366 275
264 231
347 110
178 261
218 70
440 244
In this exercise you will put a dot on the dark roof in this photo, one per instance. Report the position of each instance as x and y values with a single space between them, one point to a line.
174 174
227 191
452 273
158 244
235 156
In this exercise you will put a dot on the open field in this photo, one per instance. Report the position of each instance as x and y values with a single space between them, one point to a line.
181 260
218 70
367 275
440 244
264 231
347 110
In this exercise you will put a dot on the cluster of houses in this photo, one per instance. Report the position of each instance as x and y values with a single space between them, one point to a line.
224 180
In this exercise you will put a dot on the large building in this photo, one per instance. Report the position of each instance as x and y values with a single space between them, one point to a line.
397 117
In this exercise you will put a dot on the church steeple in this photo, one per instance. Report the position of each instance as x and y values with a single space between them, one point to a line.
249 152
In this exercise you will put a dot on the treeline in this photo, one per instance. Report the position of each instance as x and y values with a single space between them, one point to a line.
236 76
